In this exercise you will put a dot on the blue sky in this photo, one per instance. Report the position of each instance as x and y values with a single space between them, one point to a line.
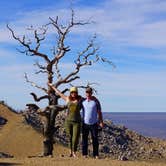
131 33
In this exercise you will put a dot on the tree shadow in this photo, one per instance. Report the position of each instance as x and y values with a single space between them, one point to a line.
9 164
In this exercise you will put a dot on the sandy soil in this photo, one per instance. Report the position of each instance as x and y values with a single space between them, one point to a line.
64 161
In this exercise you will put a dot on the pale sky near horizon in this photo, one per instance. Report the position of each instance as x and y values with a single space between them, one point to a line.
131 33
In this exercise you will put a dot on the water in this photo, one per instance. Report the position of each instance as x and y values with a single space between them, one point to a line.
148 124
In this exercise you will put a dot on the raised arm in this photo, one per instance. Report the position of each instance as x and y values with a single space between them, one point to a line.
57 91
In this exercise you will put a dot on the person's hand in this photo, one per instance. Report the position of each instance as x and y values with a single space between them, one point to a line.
50 84
101 124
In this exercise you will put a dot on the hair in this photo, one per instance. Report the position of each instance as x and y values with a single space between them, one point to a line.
78 97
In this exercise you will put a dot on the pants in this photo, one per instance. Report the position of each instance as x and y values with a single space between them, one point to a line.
93 129
73 131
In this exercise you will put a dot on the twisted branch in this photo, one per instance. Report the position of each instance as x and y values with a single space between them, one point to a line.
28 50
39 98
34 84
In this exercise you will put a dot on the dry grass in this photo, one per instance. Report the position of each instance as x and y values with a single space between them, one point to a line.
21 141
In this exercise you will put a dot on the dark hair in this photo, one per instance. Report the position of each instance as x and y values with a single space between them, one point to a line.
89 89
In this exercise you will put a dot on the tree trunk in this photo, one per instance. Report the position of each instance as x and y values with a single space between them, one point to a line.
49 128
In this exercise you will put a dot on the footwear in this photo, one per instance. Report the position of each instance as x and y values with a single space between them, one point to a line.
50 156
71 155
96 157
85 156
74 154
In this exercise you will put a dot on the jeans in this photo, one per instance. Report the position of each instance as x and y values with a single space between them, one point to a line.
93 129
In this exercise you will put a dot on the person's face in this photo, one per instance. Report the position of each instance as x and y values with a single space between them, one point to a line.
88 94
73 94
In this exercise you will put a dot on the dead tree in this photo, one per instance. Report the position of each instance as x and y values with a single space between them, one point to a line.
86 57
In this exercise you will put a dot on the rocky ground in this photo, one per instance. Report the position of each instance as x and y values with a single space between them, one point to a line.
116 142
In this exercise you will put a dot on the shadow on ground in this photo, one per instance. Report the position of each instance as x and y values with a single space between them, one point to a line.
8 164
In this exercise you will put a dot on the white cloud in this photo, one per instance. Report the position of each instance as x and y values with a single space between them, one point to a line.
151 35
128 23
142 84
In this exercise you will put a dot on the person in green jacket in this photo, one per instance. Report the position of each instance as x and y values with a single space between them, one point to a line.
73 120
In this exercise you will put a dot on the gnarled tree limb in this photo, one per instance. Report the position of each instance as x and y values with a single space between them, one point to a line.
27 45
34 84
39 98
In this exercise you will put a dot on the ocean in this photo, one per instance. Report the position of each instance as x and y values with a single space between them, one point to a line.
148 124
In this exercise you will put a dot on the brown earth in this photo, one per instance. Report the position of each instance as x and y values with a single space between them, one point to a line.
21 141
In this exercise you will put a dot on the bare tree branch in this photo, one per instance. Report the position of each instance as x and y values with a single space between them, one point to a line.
34 84
40 98
62 33
29 50
59 76
108 61
42 69
86 57
88 85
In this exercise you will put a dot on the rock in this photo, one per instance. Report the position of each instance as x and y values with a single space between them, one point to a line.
2 121
2 102
4 155
105 149
123 158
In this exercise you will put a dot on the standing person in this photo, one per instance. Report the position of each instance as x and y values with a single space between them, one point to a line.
73 120
92 117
